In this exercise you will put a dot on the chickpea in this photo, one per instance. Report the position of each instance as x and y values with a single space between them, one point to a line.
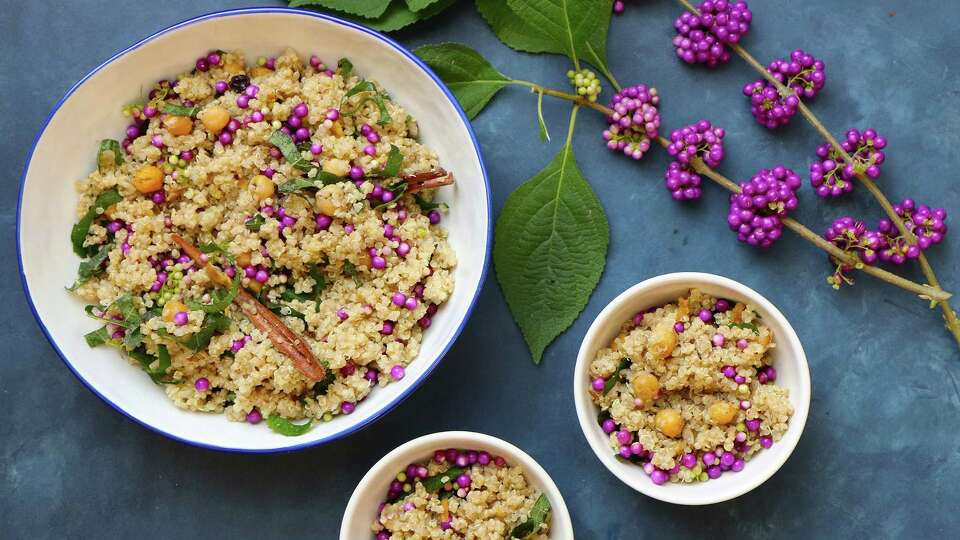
338 167
233 66
171 308
178 125
148 179
722 412
669 422
646 387
337 129
214 119
663 341
254 285
326 206
243 260
259 71
263 187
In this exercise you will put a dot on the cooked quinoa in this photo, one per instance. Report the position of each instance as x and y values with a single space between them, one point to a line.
463 494
350 260
686 389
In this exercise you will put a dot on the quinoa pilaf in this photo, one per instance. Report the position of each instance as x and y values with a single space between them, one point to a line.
303 194
462 494
686 389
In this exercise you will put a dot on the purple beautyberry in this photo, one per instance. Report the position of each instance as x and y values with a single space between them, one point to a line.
756 212
702 140
802 73
635 120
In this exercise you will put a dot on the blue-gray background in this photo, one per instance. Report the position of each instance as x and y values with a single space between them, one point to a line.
879 457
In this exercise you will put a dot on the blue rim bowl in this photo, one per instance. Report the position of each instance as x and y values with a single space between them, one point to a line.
421 376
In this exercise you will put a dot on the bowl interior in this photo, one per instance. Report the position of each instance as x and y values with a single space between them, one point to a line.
788 358
66 149
364 503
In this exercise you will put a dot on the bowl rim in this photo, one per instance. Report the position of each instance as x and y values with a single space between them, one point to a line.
434 441
254 11
584 406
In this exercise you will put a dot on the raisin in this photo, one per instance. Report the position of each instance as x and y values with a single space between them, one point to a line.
239 83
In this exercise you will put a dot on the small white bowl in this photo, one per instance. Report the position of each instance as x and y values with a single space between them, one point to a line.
788 358
365 502
65 150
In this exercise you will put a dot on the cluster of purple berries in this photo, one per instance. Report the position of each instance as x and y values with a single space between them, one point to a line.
756 212
854 237
802 73
702 39
701 140
830 176
635 120
929 225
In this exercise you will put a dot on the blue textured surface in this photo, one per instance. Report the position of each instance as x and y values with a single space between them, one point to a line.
878 458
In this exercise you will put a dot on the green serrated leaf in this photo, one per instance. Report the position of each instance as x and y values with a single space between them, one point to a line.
575 28
550 248
417 5
536 517
79 232
370 9
283 426
398 15
472 78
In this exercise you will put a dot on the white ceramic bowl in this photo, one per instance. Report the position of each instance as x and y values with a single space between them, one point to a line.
788 358
365 502
65 151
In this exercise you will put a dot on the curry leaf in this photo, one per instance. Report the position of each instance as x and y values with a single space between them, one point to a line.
538 513
472 78
369 9
79 232
550 249
283 426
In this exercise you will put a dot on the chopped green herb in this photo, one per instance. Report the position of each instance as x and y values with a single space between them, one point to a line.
350 270
538 513
747 326
345 68
322 178
97 337
213 323
426 205
283 426
615 378
126 308
289 150
221 298
254 223
394 160
91 265
321 282
321 387
436 482
109 155
362 86
398 189
377 97
213 247
146 361
79 233
180 110
133 338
